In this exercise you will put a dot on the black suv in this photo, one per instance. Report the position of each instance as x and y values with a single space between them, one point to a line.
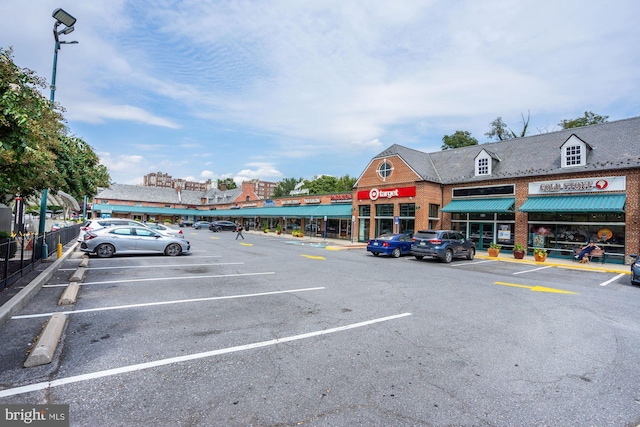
443 245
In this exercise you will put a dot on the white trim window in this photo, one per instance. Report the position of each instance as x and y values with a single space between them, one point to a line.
483 164
574 152
573 155
385 169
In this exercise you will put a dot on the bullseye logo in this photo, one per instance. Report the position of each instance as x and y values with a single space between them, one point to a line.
373 194
601 184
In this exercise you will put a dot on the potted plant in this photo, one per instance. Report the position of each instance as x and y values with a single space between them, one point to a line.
278 229
494 249
265 227
540 254
519 251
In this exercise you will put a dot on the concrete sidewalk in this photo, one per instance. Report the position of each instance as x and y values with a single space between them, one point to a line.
558 262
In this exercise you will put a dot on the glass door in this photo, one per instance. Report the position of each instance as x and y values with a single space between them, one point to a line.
481 234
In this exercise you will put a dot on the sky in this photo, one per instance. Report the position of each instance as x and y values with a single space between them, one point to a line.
272 89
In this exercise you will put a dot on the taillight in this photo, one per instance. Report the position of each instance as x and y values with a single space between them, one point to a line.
180 232
413 239
435 241
84 228
385 244
89 236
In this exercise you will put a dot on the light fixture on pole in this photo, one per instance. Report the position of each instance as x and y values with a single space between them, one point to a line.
62 18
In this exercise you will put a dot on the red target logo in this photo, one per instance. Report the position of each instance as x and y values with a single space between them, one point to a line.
601 184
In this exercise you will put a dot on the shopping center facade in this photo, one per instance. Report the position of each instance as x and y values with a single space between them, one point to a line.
556 190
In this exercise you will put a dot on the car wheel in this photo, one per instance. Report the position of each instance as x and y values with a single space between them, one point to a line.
472 253
396 253
448 256
218 229
105 250
375 253
173 249
418 256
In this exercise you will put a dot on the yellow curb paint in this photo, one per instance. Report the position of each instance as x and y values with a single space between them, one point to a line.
537 288
313 257
333 248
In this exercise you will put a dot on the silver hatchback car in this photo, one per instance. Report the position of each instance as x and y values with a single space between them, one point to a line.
107 242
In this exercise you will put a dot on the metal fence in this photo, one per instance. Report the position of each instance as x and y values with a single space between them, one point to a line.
22 254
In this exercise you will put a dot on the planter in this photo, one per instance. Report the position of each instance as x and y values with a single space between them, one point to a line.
493 252
539 258
518 254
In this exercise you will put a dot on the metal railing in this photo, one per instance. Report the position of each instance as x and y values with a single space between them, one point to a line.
22 254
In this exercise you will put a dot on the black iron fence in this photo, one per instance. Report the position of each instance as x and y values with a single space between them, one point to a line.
22 254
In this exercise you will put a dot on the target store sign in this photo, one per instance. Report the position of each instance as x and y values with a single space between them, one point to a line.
612 183
386 193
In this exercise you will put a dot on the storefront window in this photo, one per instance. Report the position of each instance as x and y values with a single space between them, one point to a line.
364 210
384 209
384 219
407 210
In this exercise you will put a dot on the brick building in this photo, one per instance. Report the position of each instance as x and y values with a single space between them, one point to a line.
555 190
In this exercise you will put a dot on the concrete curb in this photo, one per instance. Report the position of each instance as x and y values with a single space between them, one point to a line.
24 296
78 275
70 294
44 349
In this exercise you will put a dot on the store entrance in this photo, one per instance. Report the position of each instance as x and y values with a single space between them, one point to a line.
481 234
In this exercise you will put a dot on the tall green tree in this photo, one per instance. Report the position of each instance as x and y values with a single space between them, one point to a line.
228 182
589 118
499 130
284 187
458 139
36 152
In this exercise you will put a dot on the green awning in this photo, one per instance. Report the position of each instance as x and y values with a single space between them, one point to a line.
501 205
337 210
590 203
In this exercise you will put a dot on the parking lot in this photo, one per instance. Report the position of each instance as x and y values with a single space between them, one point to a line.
284 331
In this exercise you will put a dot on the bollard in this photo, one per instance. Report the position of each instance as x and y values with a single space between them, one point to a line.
59 250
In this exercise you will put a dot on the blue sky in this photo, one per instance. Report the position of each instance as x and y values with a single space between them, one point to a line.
277 89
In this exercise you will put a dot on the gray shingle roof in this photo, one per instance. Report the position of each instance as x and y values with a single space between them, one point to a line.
139 193
614 146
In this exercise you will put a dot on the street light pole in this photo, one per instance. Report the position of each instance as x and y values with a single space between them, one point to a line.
68 21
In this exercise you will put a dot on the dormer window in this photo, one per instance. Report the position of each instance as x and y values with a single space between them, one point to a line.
574 152
484 163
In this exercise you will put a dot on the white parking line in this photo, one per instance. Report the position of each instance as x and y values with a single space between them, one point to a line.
471 263
157 279
535 269
152 266
180 359
150 304
612 280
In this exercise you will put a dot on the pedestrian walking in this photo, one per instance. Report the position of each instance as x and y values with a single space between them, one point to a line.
239 231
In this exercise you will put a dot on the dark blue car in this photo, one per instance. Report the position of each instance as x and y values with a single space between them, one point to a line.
635 270
390 244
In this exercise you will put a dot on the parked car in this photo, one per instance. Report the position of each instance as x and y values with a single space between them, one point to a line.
126 239
635 270
443 245
95 224
390 244
185 223
201 224
165 229
222 225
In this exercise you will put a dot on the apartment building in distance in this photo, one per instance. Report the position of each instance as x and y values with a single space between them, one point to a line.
164 180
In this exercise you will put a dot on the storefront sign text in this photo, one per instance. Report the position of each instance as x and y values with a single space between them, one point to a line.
615 183
387 193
